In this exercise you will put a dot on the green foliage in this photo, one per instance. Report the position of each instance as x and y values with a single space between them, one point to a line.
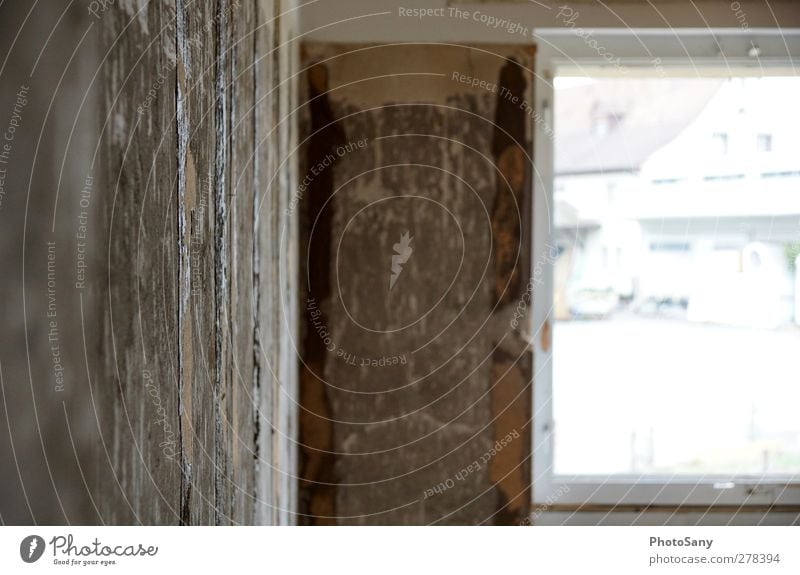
792 251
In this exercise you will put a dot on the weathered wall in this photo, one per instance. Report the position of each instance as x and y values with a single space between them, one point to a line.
415 391
192 388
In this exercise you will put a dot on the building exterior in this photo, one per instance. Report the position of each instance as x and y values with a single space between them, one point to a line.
679 197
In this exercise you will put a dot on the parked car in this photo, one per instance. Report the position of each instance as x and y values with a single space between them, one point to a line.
592 303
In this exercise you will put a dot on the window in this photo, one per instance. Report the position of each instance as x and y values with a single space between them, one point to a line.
669 247
720 141
670 378
780 174
724 177
764 142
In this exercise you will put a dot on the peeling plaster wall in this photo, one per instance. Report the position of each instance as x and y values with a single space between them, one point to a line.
195 391
403 387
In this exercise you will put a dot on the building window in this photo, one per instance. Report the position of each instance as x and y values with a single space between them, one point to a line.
669 247
764 142
723 178
720 140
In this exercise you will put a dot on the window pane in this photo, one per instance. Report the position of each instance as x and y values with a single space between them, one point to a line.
677 331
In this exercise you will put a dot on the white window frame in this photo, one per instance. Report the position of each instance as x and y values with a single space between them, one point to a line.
696 52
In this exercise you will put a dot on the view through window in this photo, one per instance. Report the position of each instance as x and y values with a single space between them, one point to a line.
677 221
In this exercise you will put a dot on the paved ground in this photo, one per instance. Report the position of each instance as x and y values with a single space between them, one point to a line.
661 395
